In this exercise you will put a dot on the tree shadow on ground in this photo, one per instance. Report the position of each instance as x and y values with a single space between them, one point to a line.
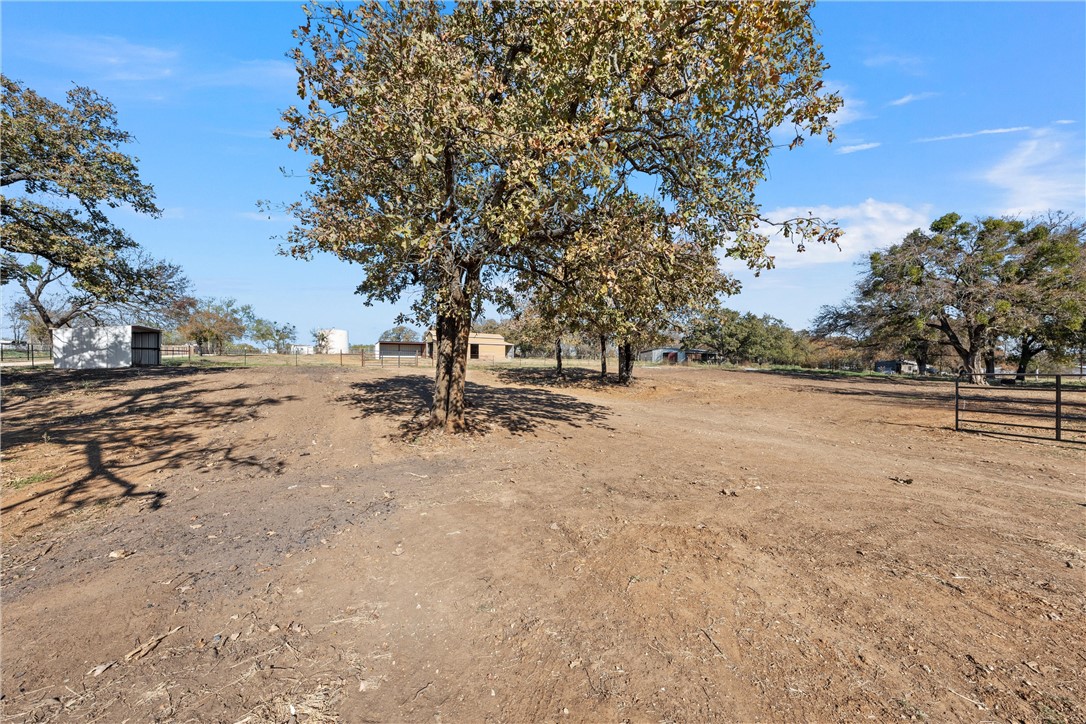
572 378
516 409
921 392
158 425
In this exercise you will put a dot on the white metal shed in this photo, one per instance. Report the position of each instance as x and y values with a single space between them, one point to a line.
96 348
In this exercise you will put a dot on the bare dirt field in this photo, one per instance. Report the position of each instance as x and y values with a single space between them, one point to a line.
281 545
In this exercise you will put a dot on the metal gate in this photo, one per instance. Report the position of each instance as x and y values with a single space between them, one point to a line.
1032 406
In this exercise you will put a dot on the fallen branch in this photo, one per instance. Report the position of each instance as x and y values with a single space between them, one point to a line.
141 651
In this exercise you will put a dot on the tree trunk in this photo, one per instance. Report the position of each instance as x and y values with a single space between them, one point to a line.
1027 351
922 356
603 356
973 367
558 356
971 357
989 365
625 362
451 357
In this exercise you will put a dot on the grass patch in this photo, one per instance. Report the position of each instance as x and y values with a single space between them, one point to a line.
202 363
19 483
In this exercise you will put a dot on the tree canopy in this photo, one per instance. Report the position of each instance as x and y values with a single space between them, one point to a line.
456 148
974 286
213 324
400 333
59 245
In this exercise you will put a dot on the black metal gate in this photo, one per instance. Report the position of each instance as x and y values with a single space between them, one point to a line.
1033 406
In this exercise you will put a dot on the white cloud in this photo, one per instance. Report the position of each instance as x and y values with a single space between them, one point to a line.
1043 173
971 134
911 64
867 226
1063 122
858 147
912 98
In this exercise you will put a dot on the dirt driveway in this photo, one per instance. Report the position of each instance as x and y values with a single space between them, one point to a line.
279 544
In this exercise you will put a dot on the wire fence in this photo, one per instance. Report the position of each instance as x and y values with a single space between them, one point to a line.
1031 406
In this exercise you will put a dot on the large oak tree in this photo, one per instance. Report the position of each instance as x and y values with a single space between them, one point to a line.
67 167
978 284
451 144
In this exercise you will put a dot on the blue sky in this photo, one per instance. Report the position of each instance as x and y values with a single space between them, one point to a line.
969 107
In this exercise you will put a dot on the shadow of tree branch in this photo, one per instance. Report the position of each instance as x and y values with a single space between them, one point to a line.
162 424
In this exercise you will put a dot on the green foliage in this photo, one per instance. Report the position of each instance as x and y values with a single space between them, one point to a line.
70 261
272 335
400 333
213 324
746 337
973 286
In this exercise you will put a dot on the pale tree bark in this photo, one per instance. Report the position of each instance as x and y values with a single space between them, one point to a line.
625 362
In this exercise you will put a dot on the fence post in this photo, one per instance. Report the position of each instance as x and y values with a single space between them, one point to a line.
957 381
341 358
1059 408
32 355
295 359
244 358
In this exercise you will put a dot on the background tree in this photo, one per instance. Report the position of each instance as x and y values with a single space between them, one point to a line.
978 283
626 276
272 335
68 163
321 340
213 324
400 333
451 145
880 325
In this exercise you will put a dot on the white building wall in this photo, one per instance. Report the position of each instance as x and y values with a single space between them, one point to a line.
92 348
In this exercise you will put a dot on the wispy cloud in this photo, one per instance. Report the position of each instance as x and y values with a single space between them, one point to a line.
249 74
911 98
911 64
1063 122
858 147
1040 174
106 57
867 226
264 218
971 134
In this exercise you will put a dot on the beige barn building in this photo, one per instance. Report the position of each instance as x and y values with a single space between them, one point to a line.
485 347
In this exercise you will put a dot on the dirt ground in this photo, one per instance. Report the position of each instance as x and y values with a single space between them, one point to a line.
282 545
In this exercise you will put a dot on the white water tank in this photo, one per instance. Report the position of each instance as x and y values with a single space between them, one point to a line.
337 341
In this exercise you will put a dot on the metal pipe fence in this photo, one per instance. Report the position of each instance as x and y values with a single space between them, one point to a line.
1031 406
25 352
